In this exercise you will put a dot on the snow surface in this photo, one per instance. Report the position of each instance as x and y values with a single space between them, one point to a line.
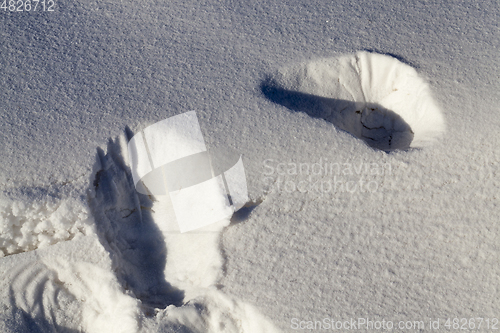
335 228
372 96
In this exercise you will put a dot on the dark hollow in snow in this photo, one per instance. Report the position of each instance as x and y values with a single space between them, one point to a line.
377 126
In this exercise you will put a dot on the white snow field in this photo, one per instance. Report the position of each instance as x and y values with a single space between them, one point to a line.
369 136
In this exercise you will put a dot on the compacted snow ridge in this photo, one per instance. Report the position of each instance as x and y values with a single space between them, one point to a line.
27 223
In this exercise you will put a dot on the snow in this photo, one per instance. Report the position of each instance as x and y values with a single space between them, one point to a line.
374 97
30 224
405 235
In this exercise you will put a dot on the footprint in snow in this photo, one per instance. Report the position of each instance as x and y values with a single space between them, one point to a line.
375 97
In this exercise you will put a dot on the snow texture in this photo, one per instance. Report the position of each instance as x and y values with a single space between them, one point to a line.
28 224
84 252
374 97
118 279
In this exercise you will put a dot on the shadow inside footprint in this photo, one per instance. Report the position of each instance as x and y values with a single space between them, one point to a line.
126 228
379 127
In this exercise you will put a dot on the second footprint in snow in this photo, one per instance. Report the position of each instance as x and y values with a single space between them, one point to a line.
374 97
